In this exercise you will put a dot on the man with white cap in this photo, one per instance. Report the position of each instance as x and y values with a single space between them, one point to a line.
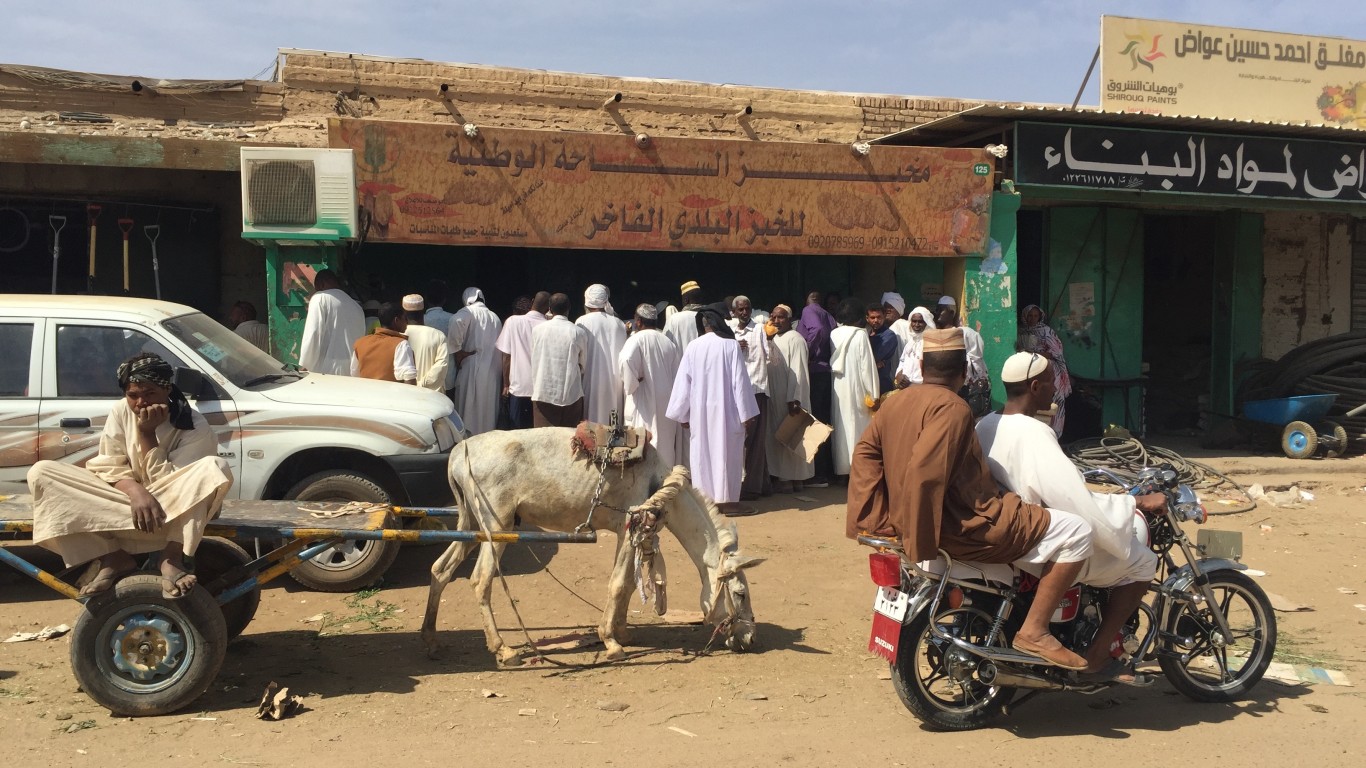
682 326
334 322
919 473
601 381
647 364
978 387
754 346
1024 457
430 353
478 383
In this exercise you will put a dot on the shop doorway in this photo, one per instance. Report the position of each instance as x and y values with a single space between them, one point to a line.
1179 257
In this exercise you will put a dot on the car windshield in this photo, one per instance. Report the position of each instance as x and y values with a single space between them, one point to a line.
229 354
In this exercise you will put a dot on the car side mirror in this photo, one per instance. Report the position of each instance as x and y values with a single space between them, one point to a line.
194 384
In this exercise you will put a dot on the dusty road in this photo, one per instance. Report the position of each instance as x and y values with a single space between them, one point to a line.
812 695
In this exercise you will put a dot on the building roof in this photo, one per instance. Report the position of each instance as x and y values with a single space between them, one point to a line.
979 124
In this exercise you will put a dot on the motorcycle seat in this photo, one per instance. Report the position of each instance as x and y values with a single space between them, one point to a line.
1000 573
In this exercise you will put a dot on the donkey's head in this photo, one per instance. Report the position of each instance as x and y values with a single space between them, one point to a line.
731 611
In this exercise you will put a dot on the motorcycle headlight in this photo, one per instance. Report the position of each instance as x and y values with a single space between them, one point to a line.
1188 507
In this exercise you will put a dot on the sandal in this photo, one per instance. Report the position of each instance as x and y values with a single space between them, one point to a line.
737 510
1116 671
103 582
1052 652
171 588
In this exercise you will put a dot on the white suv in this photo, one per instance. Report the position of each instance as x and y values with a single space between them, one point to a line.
287 434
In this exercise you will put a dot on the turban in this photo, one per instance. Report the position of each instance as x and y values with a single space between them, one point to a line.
924 315
596 296
714 319
151 369
648 311
894 299
472 295
413 302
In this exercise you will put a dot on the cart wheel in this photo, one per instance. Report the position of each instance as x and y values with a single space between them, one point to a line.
1299 440
215 557
139 654
1339 438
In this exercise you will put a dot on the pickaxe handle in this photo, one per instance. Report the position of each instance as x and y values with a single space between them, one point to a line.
92 215
126 227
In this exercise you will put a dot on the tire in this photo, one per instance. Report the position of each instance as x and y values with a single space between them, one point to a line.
1206 674
215 557
1299 440
1339 436
183 642
351 565
926 685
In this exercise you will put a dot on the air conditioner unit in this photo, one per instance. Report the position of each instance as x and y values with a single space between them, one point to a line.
298 196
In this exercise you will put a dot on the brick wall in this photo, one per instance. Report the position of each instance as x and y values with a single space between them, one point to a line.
1306 293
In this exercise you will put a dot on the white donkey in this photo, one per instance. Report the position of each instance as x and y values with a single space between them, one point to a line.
534 474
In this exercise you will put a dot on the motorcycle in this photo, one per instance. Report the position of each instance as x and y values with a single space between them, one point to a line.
945 626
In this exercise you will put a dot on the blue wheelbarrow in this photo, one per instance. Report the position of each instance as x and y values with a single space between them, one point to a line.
1304 431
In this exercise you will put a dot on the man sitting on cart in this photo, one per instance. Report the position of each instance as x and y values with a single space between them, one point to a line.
154 485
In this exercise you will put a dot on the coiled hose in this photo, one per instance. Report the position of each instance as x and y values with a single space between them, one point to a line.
1126 456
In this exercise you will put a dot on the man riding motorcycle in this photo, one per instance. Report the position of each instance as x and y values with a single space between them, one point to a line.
1024 457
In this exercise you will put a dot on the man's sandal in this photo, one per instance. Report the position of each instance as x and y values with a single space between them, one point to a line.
103 582
171 587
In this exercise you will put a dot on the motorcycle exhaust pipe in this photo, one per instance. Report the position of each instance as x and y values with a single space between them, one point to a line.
991 673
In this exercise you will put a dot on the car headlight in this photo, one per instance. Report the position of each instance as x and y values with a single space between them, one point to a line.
447 433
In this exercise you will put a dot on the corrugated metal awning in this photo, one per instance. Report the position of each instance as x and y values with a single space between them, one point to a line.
971 125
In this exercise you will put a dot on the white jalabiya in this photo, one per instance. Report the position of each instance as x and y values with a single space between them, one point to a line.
853 373
682 327
788 379
1024 457
333 324
756 353
902 329
602 379
713 394
79 514
440 319
479 383
977 364
648 364
256 332
912 354
430 356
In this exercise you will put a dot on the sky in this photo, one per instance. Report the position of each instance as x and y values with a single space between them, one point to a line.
971 49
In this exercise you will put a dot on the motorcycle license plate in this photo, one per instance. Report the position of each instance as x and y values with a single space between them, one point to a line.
889 610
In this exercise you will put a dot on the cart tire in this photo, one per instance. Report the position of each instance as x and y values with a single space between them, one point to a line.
1339 436
215 557
139 654
351 565
1299 440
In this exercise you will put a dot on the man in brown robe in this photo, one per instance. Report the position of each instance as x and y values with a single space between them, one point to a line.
918 472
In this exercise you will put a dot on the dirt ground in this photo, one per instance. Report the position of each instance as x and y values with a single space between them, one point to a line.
810 695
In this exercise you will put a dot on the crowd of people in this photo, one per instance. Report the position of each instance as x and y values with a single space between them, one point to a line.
716 406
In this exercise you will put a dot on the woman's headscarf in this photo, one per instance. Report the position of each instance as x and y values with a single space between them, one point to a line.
472 295
1043 316
149 368
715 320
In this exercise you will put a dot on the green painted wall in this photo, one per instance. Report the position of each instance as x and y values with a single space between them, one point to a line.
989 290
1094 289
1236 332
289 283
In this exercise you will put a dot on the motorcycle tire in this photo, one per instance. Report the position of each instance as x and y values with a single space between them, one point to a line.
1208 671
935 680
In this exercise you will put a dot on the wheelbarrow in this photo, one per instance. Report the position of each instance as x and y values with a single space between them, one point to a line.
1304 431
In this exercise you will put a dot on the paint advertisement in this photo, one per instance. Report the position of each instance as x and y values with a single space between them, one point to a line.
1173 68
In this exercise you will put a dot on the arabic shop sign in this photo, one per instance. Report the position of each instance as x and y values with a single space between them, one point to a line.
1170 68
1169 161
431 183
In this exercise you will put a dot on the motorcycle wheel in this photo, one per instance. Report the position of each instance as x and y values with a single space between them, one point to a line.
1215 669
937 681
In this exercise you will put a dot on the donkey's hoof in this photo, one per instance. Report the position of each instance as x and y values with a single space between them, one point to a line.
508 657
614 652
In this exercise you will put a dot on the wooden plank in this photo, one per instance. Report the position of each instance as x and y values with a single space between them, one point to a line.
121 151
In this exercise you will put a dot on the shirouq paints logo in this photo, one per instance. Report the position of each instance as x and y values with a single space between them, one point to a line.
1137 56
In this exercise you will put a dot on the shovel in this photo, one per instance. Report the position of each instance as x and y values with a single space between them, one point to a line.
58 223
92 214
153 231
126 227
